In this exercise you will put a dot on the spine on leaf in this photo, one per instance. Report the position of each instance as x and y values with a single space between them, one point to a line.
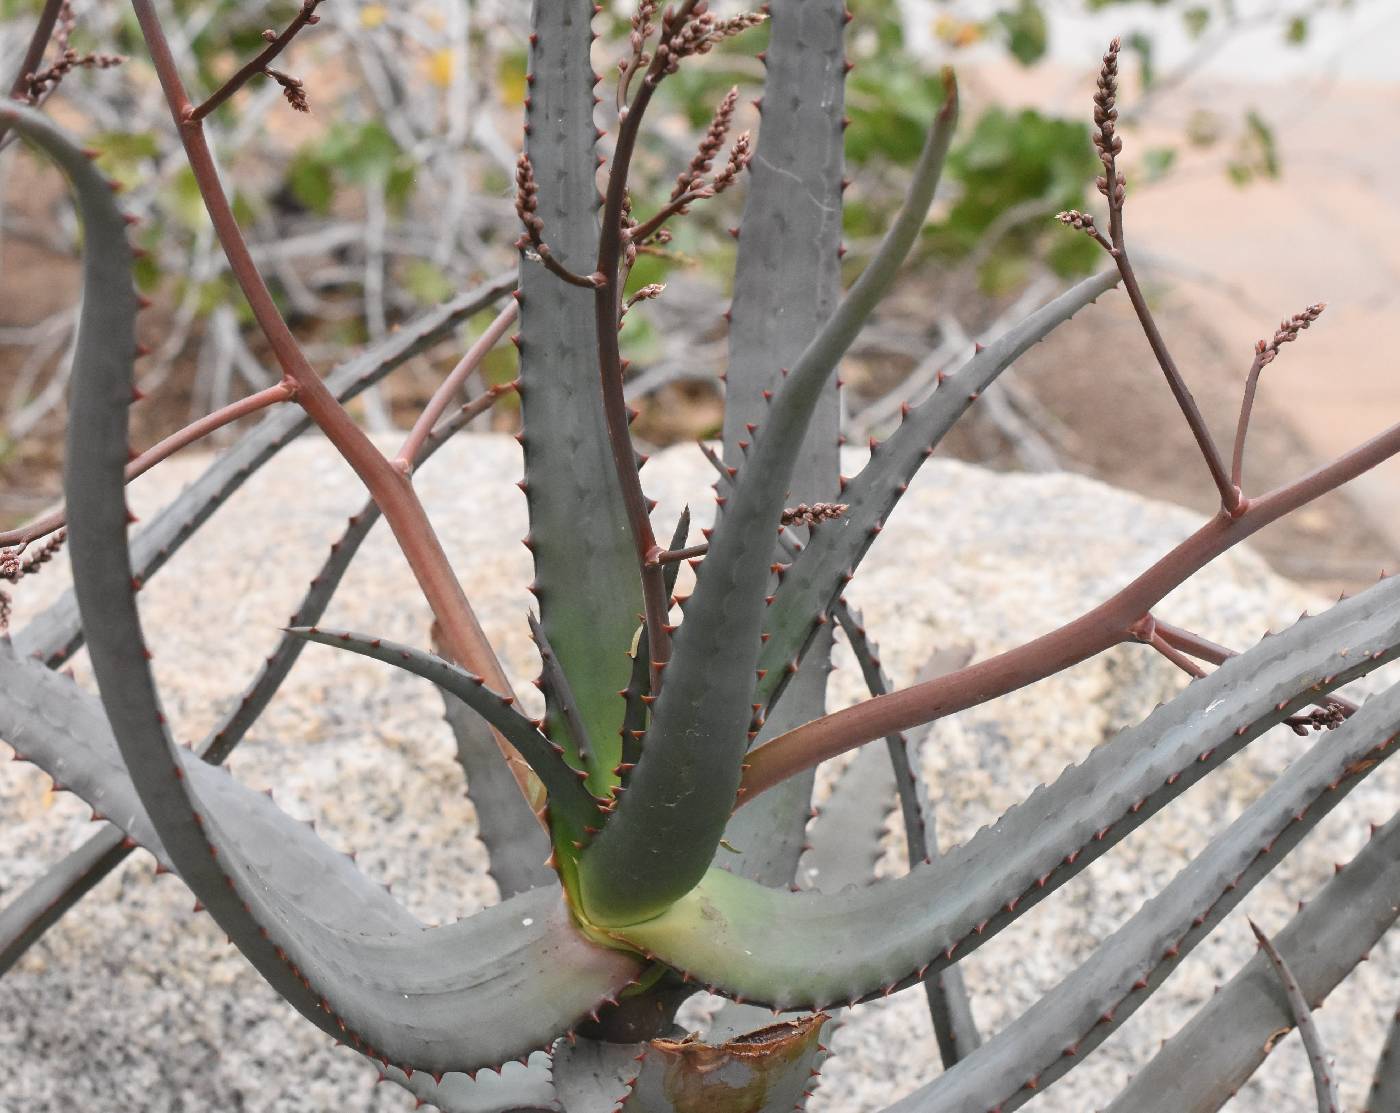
787 281
586 577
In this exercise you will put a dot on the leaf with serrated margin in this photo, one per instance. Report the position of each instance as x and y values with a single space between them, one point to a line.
682 791
56 634
516 1088
1205 1064
1324 1083
847 834
823 568
61 729
516 861
460 997
25 919
869 940
1385 1087
568 797
516 845
586 576
1060 1030
787 281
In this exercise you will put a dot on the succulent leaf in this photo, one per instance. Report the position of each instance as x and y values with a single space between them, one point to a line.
517 862
822 569
787 281
517 847
56 635
567 795
422 998
578 527
887 934
1205 1064
1093 1002
360 950
25 919
1385 1087
681 793
1324 1084
515 1088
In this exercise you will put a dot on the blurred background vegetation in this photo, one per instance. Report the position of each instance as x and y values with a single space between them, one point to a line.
395 191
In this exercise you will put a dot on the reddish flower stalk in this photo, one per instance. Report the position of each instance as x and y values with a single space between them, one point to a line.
442 397
1110 623
607 312
527 192
391 490
259 65
1334 708
56 15
38 44
693 176
284 391
1265 352
1111 185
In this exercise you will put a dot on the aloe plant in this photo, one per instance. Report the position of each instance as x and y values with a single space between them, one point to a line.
645 833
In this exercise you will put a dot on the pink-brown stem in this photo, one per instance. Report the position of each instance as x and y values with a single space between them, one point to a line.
1206 650
33 56
648 228
1108 624
38 43
307 15
1112 186
1251 387
1175 656
284 391
607 310
448 388
675 556
1230 497
390 488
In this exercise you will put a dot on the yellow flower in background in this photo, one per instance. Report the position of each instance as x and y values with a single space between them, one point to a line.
441 66
373 15
957 33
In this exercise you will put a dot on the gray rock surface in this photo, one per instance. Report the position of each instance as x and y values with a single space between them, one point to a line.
136 1002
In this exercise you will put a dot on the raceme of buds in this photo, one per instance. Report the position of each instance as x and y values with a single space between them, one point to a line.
692 176
527 199
702 33
1267 350
1106 140
293 88
804 514
739 156
649 292
1075 219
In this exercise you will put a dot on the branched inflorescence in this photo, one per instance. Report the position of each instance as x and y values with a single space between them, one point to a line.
702 33
693 176
653 875
527 203
39 83
16 564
